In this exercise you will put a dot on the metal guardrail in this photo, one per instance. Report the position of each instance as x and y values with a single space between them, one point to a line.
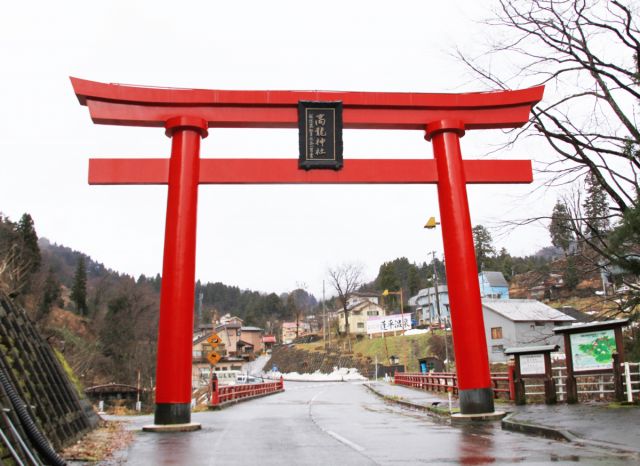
225 394
448 382
590 386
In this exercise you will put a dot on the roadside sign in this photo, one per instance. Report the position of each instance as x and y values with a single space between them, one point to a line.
213 358
214 340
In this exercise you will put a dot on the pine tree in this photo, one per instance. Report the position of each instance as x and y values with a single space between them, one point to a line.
79 289
560 227
484 246
596 208
387 278
570 276
50 294
19 254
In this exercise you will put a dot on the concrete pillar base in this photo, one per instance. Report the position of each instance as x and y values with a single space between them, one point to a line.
189 427
172 413
462 418
476 401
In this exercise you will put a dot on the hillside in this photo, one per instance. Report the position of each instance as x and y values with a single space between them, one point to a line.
408 349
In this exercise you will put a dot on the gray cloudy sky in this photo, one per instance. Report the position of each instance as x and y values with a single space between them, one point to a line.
267 238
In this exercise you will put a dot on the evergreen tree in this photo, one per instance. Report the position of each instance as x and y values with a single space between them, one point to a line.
596 208
79 289
50 294
484 247
570 276
29 242
387 278
560 227
19 255
414 280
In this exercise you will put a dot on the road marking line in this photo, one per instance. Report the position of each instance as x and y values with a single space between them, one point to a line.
347 442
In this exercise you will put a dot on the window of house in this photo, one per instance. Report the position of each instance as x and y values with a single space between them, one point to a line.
360 324
372 313
496 333
497 348
539 324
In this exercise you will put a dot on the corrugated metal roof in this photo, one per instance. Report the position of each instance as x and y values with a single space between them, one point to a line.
495 279
525 310
531 349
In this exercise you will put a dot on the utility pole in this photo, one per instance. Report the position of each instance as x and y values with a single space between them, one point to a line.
435 284
324 318
199 322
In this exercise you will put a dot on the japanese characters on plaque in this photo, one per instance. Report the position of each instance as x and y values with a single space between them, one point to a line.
392 323
320 130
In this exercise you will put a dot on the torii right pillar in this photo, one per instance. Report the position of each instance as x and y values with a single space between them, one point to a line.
472 361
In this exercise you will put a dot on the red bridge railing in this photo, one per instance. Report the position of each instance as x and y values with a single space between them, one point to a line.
448 381
224 394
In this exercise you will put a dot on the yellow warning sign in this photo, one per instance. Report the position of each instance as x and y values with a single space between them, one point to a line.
214 340
213 358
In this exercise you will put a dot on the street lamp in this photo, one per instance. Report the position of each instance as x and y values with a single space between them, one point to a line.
431 224
387 293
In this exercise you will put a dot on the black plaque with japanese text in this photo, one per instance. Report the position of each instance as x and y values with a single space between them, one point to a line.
320 129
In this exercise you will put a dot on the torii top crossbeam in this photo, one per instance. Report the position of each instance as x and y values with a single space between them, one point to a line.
117 104
188 114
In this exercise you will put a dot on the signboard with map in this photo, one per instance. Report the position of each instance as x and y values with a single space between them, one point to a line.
592 350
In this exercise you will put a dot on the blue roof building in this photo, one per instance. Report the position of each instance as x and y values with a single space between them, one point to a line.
493 285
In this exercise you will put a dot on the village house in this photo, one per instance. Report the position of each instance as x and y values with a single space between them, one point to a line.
200 365
359 309
493 285
268 341
520 322
293 330
426 309
250 342
238 345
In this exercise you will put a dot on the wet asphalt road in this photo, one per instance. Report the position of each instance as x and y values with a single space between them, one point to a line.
344 424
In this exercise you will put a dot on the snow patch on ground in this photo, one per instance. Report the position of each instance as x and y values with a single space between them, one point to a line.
338 375
416 331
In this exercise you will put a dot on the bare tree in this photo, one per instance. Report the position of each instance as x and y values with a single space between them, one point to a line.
586 53
346 279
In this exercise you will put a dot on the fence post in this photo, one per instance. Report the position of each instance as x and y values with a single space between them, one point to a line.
215 396
511 368
627 377
617 378
281 385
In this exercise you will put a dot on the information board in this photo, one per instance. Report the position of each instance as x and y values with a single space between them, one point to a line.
532 364
592 350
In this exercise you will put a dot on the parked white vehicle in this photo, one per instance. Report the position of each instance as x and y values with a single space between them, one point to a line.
246 378
227 377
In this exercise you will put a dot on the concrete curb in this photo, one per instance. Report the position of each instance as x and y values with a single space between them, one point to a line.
433 411
511 424
533 429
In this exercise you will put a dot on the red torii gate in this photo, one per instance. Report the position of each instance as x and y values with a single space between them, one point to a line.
186 115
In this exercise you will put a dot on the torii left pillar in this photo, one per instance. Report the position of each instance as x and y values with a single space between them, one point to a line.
173 383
